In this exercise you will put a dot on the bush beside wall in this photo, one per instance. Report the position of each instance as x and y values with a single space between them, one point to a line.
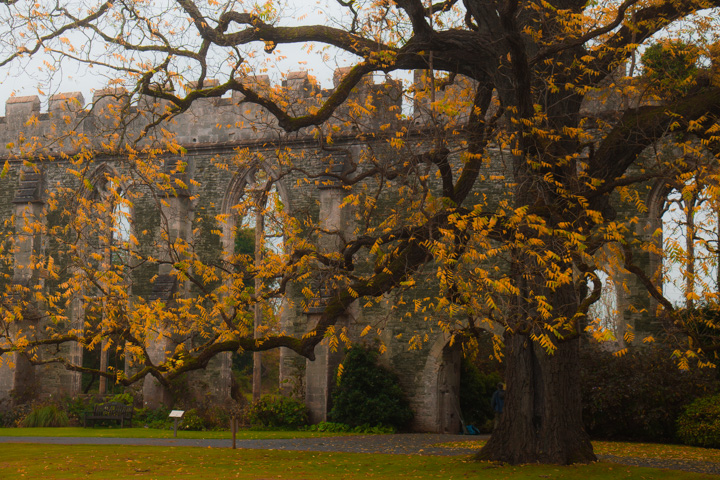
368 394
640 395
699 424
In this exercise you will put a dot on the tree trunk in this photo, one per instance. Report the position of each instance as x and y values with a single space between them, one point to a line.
691 205
542 417
257 322
25 387
103 385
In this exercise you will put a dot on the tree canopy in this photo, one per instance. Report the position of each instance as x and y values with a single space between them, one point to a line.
544 87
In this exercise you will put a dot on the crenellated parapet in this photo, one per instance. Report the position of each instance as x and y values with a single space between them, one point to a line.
114 116
19 109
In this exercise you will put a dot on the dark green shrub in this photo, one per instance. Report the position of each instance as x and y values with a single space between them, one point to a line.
46 416
12 415
216 417
333 427
76 406
699 424
277 412
153 418
637 396
191 420
345 428
124 398
374 429
205 418
368 394
476 390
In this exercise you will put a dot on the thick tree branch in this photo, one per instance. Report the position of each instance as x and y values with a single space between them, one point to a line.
76 23
638 128
260 31
645 280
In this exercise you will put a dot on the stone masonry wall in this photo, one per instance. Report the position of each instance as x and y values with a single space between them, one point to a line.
212 132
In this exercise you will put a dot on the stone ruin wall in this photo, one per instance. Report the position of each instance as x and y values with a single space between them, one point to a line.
216 128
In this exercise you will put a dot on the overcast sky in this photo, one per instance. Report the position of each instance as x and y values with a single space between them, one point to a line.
27 77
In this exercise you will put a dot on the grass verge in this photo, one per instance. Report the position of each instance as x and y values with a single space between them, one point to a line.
656 450
628 449
155 433
108 462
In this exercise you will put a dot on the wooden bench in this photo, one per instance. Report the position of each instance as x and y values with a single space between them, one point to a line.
115 411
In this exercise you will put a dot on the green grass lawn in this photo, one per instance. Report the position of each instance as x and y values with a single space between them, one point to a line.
153 433
58 462
629 449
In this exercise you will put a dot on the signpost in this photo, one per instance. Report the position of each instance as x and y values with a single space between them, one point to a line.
233 422
176 415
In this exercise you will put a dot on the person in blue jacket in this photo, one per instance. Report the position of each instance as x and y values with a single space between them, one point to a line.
498 402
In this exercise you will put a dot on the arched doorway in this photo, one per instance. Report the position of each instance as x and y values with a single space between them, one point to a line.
439 410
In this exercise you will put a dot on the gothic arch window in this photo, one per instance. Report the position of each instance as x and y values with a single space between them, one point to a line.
254 199
683 267
249 193
108 231
115 220
254 233
104 266
691 241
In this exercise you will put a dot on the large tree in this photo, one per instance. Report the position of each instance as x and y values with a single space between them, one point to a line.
525 261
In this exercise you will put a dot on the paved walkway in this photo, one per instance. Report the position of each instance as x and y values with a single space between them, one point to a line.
399 444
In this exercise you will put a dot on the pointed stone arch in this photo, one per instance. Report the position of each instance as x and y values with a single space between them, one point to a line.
105 185
669 205
236 189
439 409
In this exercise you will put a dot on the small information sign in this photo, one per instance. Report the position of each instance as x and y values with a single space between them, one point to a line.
176 415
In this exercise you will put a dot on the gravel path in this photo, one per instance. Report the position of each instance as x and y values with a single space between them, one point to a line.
399 444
